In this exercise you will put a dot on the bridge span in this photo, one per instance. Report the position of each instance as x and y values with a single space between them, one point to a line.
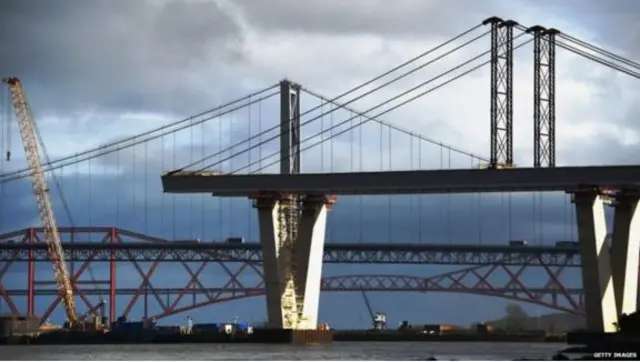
472 280
27 244
407 182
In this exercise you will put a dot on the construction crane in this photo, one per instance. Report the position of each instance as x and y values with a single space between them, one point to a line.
41 191
378 320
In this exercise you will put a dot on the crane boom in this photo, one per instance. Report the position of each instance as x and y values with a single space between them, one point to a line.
41 191
366 302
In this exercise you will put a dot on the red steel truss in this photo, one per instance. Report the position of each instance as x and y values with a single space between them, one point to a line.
244 280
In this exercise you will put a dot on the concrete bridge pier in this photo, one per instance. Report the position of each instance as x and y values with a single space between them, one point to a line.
600 302
625 251
292 234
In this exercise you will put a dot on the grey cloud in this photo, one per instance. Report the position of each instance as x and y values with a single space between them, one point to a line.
124 55
615 23
411 18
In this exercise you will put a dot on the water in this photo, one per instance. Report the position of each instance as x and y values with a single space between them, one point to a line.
336 351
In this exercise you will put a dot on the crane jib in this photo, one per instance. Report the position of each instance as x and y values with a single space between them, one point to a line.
45 210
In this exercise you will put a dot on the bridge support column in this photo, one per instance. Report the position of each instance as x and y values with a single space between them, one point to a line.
625 251
600 303
292 241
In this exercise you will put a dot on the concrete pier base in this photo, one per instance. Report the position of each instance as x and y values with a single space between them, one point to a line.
600 301
625 251
300 262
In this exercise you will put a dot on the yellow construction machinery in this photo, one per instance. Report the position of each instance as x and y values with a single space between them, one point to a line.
41 191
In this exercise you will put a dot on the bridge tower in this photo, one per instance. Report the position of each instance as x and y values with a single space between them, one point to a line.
609 272
292 232
501 92
544 96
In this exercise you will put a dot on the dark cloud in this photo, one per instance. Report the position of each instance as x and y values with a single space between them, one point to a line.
126 55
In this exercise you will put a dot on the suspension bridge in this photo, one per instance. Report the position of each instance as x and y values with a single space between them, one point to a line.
293 169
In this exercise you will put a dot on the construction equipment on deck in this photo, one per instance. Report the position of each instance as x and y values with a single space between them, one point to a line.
499 166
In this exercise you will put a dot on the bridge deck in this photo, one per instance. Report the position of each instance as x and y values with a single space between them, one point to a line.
333 253
355 247
407 182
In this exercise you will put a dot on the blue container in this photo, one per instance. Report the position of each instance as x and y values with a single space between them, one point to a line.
243 326
129 326
206 327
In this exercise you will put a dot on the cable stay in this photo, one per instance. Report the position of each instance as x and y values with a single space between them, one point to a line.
598 55
397 128
135 140
597 59
166 129
379 105
352 90
142 137
360 123
599 50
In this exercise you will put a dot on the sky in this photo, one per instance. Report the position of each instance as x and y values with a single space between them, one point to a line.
99 71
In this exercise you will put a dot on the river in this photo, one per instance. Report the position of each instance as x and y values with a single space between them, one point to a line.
336 351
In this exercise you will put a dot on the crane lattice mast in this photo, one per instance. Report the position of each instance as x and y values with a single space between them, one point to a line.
41 191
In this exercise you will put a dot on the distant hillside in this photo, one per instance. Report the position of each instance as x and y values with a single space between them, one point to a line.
516 319
552 323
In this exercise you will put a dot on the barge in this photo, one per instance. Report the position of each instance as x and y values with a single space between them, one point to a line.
263 335
122 332
276 336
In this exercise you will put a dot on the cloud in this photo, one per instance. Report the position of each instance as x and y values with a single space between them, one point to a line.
137 67
128 56
407 18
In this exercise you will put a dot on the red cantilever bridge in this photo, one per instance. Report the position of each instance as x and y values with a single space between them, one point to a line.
241 264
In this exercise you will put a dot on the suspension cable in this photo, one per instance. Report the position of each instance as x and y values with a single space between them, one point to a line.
602 51
594 57
230 148
16 175
398 105
397 128
106 149
440 57
597 59
399 96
